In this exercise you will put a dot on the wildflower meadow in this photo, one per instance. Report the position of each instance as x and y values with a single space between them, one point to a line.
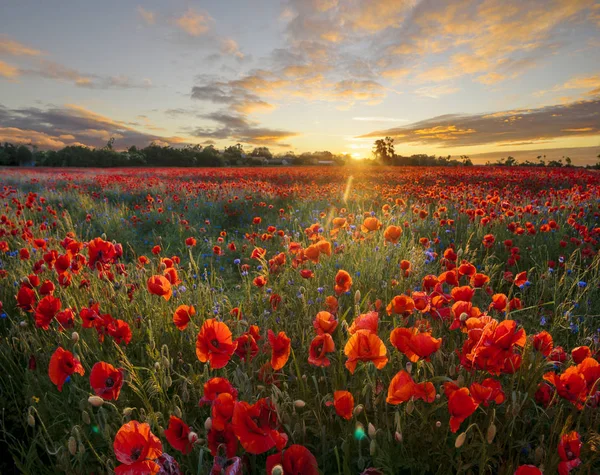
328 320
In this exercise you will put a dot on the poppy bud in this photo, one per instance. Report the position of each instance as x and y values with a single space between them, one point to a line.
410 407
30 420
168 381
261 387
463 317
277 470
299 404
460 381
72 445
103 236
75 337
165 362
85 417
491 433
81 448
157 366
373 447
438 424
460 440
127 411
96 401
177 412
409 367
23 324
192 437
208 424
398 437
357 297
357 410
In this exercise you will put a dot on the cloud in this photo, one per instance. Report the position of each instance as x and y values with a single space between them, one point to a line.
56 127
379 119
591 83
238 128
194 23
7 71
230 47
574 119
147 16
14 48
494 40
436 91
59 72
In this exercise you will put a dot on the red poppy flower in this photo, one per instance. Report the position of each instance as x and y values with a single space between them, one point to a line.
280 349
46 310
26 298
106 380
365 346
120 331
520 279
260 281
160 285
570 385
178 435
182 316
479 280
319 347
190 242
401 305
343 402
62 365
370 224
543 343
499 302
222 410
392 234
256 426
296 459
66 318
415 344
462 294
569 449
343 282
489 390
402 388
215 386
214 344
325 322
460 405
367 321
137 447
246 346
222 440
580 353
47 288
528 470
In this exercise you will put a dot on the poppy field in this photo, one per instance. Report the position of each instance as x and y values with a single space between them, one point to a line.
300 321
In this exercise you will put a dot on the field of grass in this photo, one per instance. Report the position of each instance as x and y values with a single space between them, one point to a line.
300 320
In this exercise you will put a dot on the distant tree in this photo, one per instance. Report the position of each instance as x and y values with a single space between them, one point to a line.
261 152
234 152
24 155
383 149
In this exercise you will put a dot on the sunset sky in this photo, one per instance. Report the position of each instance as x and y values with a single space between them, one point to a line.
441 77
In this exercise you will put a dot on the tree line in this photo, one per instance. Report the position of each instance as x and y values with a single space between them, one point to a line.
157 155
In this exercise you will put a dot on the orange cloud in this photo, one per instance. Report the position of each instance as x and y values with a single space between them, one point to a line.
7 71
14 48
194 23
148 16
